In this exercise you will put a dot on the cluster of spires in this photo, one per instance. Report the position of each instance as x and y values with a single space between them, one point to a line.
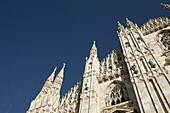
69 101
152 25
129 25
109 67
50 93
155 24
58 80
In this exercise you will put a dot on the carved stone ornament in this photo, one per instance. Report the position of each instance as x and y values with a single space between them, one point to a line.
153 25
163 40
116 94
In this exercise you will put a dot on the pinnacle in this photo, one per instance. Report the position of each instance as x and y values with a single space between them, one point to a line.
64 64
55 69
118 23
93 51
94 45
128 21
60 74
53 73
120 27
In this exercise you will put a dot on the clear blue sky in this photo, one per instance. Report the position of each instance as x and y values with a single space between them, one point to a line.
37 35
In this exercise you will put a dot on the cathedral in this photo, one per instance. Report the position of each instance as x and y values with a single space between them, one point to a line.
134 78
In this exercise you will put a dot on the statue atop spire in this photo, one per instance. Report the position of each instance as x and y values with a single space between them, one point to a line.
120 27
129 23
93 51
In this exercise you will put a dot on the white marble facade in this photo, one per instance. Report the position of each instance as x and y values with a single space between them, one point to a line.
134 78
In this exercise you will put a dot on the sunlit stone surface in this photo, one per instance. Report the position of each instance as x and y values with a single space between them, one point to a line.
133 78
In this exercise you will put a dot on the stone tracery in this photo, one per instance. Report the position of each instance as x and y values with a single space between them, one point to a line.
116 94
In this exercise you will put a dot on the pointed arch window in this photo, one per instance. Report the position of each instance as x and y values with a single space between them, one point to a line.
117 94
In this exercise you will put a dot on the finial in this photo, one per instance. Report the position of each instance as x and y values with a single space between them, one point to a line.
61 73
129 23
86 58
127 19
118 23
120 27
64 64
166 7
113 51
55 69
93 51
94 45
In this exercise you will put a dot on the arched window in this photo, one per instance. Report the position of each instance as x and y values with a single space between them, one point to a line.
117 94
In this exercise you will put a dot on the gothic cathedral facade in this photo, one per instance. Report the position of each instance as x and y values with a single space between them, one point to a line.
134 78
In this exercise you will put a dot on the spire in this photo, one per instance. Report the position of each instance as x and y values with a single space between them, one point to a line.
129 23
50 79
59 79
93 51
166 7
120 27
48 82
61 73
59 76
94 45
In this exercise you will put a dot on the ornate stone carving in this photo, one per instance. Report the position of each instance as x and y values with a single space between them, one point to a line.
116 94
163 39
166 41
112 66
153 25
134 69
151 63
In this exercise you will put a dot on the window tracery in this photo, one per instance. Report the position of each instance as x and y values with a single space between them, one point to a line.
116 94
